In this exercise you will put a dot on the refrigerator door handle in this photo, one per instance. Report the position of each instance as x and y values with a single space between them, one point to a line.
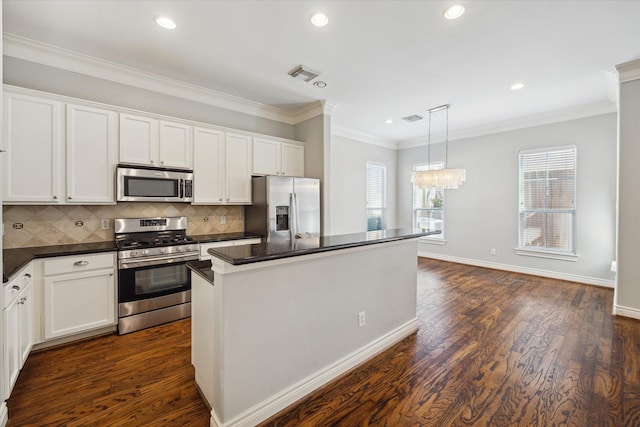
294 217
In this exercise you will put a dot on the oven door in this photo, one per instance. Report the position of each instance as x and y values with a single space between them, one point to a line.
151 281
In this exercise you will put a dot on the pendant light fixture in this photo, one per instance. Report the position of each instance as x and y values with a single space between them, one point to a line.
439 178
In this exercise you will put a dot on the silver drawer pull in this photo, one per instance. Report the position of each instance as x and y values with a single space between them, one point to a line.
15 288
27 275
80 263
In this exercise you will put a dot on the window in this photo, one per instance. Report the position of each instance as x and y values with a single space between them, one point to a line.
428 203
376 196
548 200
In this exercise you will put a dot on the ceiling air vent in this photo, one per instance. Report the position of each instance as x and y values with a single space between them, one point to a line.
304 73
412 118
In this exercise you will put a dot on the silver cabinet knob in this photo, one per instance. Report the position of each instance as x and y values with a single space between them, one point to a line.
151 161
27 275
69 197
55 197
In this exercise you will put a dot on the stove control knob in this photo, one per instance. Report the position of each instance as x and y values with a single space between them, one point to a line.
145 252
163 250
134 253
178 249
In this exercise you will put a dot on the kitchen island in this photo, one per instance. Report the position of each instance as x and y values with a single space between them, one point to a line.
280 320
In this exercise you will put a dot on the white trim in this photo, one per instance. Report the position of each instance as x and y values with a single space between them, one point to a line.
432 241
524 270
297 391
364 137
628 71
41 53
4 414
619 310
573 113
547 254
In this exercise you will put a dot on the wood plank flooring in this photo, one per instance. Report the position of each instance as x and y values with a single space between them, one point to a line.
493 348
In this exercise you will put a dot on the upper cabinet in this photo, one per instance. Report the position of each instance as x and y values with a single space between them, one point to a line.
92 151
272 157
222 168
150 142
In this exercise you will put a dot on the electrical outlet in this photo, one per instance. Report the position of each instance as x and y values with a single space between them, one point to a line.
79 223
18 225
104 224
223 219
206 219
362 320
493 251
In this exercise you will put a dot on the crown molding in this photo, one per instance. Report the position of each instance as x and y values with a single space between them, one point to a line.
629 71
41 53
556 116
364 137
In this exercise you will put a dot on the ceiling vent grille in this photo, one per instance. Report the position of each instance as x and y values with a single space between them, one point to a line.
304 73
413 118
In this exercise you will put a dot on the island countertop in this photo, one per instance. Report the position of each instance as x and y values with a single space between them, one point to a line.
266 251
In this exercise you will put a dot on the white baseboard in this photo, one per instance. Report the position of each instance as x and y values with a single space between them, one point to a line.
620 310
297 391
524 270
4 414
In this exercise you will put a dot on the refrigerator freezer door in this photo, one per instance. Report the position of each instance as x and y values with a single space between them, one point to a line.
279 191
307 198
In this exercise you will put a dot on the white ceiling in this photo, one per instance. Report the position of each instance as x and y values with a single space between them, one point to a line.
380 59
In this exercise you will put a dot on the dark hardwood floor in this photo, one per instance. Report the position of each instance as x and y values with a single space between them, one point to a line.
493 348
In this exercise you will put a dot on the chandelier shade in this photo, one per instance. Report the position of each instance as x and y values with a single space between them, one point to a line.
439 178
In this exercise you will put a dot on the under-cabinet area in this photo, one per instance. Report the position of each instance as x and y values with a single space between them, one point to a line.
62 150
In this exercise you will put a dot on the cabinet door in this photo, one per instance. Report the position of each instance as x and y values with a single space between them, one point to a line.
238 169
266 157
175 145
292 160
91 154
78 302
33 166
138 140
25 311
208 166
11 341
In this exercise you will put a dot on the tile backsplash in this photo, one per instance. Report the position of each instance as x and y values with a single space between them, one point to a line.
45 225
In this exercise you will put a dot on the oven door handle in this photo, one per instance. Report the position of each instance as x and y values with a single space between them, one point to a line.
124 264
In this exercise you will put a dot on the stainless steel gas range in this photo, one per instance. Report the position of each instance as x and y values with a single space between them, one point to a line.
154 283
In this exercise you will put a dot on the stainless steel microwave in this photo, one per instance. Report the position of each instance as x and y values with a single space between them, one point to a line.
139 184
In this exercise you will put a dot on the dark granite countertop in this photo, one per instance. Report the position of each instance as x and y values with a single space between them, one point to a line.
14 259
266 251
220 237
202 268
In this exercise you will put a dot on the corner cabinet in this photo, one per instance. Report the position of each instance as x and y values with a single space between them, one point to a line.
221 168
271 157
79 294
150 142
17 333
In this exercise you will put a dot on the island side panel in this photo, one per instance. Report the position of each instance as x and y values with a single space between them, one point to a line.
284 324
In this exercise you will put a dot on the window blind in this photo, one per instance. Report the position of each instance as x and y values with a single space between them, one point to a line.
376 197
548 199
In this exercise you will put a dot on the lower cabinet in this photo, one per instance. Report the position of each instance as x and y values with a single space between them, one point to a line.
17 324
79 294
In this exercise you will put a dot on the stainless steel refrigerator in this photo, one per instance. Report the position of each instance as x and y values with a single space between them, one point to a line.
284 208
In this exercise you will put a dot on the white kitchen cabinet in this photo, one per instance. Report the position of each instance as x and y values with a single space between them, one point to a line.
237 169
208 166
150 142
204 247
92 146
33 136
272 157
221 168
17 331
79 294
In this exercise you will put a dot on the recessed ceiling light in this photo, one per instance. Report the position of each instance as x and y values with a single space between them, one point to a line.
454 12
165 22
319 19
320 84
388 121
517 86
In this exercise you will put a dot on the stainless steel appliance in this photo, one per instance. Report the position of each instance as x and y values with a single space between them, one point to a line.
140 184
154 283
284 208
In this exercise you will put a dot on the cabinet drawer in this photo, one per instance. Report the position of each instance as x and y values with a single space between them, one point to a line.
17 284
78 263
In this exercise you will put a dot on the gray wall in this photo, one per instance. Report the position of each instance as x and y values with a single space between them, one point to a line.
483 213
30 75
628 288
349 178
